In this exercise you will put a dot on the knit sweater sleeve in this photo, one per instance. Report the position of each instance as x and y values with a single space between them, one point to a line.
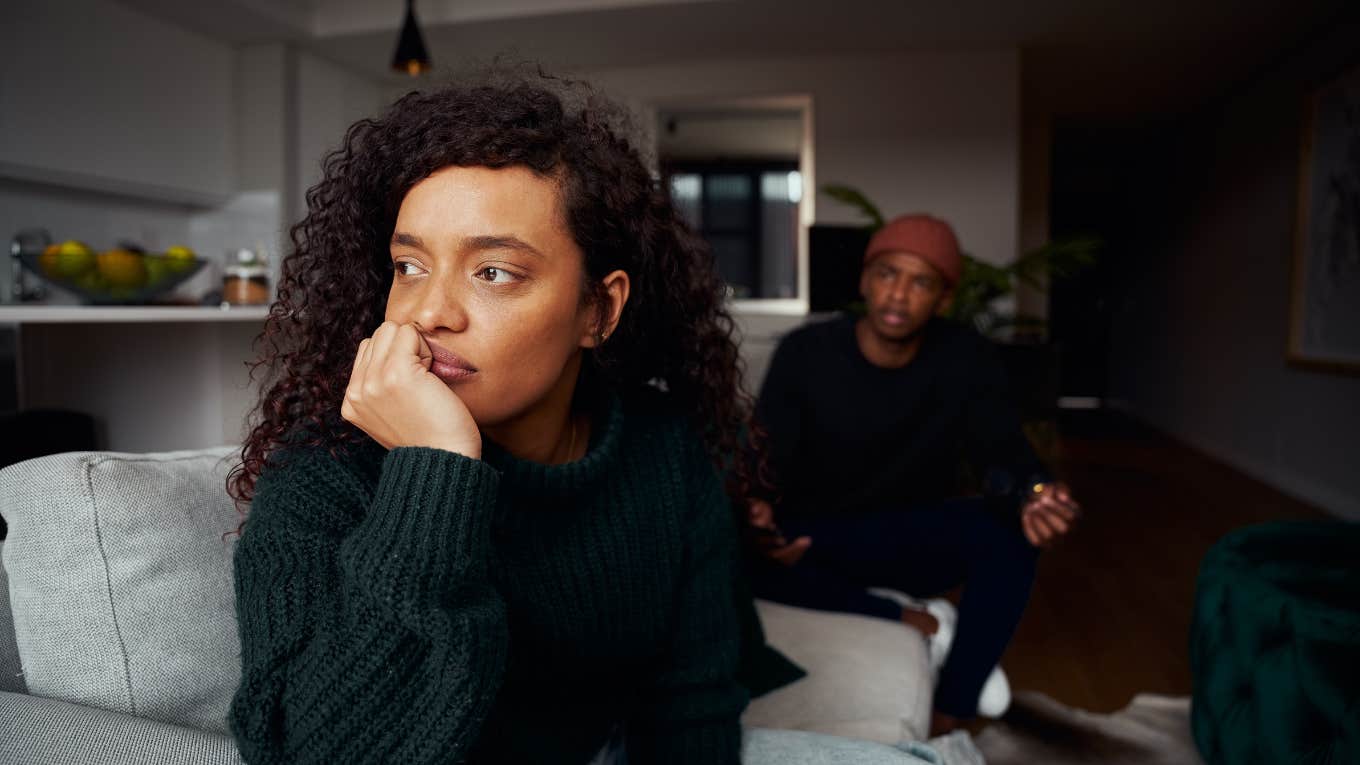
995 441
691 707
370 631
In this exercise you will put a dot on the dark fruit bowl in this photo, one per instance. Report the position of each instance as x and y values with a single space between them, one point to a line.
131 278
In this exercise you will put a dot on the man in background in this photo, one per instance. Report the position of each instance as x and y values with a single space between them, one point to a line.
871 422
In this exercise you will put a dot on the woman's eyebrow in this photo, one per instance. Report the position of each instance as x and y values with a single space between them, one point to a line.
408 240
503 242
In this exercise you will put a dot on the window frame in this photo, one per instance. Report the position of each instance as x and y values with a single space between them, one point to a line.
806 166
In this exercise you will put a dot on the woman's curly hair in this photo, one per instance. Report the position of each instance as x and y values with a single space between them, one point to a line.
674 333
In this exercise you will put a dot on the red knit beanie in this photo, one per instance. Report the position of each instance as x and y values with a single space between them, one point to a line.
924 236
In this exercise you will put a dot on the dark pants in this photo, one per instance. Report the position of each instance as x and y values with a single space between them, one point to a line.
923 552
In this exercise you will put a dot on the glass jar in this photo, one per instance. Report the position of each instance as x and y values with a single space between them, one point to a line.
245 279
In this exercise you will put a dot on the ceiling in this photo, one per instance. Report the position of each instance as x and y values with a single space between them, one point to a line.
1081 55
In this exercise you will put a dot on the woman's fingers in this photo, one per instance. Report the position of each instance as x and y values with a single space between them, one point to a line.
408 348
397 347
417 344
356 380
379 351
361 357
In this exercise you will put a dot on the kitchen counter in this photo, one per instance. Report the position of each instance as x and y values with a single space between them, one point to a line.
112 314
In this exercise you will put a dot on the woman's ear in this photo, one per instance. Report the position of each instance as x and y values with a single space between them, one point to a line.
615 293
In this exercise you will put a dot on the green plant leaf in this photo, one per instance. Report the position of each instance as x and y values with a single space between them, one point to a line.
1060 258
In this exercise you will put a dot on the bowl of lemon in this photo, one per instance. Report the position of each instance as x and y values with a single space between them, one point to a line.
121 276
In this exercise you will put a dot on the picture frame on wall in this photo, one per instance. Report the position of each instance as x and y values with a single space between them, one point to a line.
1324 326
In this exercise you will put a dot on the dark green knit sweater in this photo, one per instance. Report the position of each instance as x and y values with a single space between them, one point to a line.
419 606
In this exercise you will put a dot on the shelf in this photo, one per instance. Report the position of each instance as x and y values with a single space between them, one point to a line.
96 314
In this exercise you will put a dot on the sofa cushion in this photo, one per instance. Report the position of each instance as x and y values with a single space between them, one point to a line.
120 577
866 678
11 675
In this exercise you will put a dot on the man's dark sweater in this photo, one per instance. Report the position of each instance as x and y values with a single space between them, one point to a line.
415 605
846 435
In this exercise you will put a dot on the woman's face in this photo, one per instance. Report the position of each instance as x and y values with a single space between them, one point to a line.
485 267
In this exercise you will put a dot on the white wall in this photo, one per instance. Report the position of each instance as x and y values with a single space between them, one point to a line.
263 89
698 135
1199 347
92 89
329 100
928 131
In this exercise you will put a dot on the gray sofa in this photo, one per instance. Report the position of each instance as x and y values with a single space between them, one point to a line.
118 636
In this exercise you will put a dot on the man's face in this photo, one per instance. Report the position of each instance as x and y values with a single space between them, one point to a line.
902 293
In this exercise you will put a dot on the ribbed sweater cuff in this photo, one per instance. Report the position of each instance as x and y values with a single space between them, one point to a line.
428 528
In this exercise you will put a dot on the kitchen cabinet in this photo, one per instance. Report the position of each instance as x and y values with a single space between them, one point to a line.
155 378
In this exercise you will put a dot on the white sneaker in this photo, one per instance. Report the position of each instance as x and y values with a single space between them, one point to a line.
996 695
995 698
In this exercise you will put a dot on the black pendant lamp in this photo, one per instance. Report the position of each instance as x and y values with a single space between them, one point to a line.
411 56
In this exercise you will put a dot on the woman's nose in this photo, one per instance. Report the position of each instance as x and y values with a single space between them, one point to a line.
441 306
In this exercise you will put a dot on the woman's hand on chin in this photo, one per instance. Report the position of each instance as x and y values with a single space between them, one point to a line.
394 398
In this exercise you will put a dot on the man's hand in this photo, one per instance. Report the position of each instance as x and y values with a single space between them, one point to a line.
1048 514
769 540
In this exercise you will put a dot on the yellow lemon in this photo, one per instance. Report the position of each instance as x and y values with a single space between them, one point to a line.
179 258
121 268
74 247
68 260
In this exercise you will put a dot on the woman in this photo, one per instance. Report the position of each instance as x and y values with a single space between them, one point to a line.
486 520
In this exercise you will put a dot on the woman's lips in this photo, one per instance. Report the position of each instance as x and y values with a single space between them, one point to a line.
447 366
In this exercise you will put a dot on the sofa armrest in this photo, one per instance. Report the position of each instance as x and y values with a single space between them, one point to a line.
867 678
39 730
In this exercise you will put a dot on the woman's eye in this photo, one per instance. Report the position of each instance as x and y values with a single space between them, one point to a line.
404 268
495 275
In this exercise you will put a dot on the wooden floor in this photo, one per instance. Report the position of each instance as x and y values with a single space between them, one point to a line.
1110 613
